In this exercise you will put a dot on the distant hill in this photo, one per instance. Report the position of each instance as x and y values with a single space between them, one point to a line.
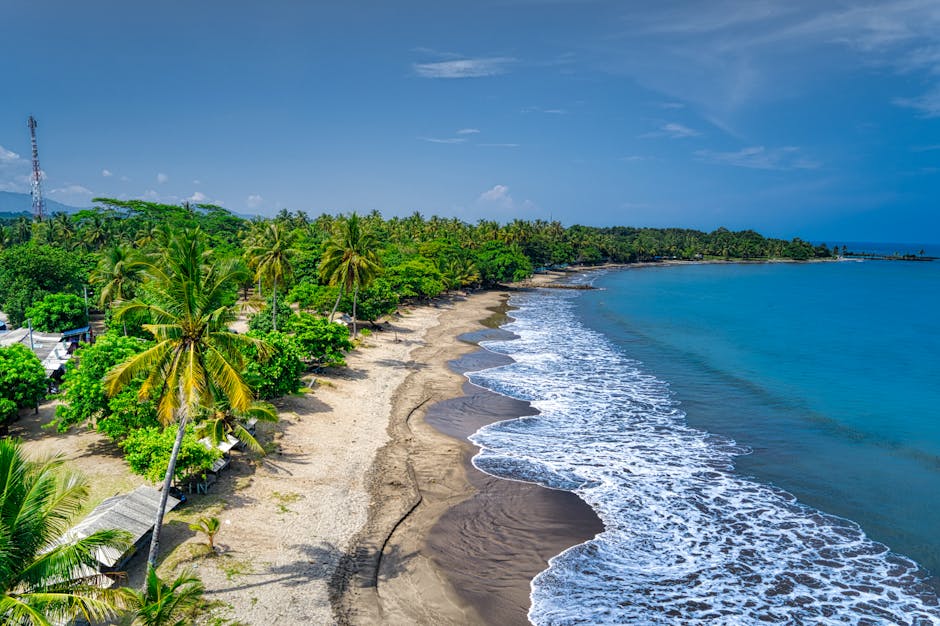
15 203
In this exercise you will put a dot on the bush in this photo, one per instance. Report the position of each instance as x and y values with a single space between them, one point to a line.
147 451
312 297
321 341
22 380
58 312
29 272
84 394
262 320
279 374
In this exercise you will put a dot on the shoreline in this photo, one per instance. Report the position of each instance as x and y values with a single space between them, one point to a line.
433 528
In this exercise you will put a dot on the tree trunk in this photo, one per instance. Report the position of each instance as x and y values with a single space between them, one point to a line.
336 304
355 296
167 481
274 308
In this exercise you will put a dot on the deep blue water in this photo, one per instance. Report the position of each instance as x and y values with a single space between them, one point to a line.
762 442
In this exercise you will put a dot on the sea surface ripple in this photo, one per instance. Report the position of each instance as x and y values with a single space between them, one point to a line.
687 540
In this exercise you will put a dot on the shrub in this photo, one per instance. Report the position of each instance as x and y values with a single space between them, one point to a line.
58 312
279 374
321 341
22 380
147 451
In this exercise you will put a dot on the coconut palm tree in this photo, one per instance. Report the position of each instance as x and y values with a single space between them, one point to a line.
221 419
44 578
270 255
167 604
209 526
119 269
195 353
350 261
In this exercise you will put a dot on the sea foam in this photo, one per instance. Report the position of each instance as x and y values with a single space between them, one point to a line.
686 540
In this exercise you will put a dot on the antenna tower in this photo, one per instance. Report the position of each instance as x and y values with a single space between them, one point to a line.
39 207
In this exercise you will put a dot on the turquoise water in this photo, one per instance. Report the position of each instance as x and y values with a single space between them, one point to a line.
760 442
829 373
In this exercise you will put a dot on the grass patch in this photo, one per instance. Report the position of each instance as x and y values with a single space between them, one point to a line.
233 568
283 499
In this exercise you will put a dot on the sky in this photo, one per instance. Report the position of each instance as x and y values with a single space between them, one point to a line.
815 119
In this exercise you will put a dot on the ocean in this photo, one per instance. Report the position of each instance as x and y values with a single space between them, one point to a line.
761 441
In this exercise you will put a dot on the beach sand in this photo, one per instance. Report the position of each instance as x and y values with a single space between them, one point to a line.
362 512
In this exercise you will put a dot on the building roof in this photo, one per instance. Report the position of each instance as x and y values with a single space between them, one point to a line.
132 512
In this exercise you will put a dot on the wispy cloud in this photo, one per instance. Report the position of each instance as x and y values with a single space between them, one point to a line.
254 200
465 68
107 173
162 178
498 193
672 130
555 111
443 140
760 158
927 104
468 131
72 194
498 145
14 171
8 156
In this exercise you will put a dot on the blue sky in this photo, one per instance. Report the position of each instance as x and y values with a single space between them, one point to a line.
818 119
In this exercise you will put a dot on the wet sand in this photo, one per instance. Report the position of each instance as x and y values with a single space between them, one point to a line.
445 543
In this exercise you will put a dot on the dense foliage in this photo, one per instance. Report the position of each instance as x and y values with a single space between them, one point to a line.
147 451
279 373
85 399
22 380
30 272
57 312
320 341
44 580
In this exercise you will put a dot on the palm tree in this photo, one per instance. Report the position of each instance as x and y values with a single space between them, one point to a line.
43 577
195 352
118 270
270 254
209 526
220 420
350 261
167 604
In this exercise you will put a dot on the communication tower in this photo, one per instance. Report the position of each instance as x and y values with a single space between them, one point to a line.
39 207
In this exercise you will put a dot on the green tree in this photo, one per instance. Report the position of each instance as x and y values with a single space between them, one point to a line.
221 420
321 340
148 452
22 380
57 312
350 261
29 272
162 603
117 274
46 579
195 352
270 254
84 395
498 262
278 374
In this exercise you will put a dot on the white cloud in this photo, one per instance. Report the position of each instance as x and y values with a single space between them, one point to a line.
162 178
198 198
72 194
468 131
760 158
8 156
544 110
197 181
464 68
254 200
151 195
445 140
928 104
672 130
107 173
499 193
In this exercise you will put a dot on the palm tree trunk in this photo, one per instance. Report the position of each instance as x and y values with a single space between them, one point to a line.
355 296
336 304
167 481
274 308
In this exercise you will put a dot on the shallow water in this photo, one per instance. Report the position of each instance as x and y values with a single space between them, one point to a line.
812 380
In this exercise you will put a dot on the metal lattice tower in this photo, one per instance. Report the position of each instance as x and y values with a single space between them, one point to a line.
39 207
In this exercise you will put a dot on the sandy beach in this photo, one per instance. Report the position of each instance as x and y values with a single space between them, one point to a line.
366 508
